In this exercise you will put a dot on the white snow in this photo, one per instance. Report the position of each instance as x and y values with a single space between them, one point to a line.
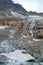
18 15
12 13
36 39
24 36
3 27
35 17
18 56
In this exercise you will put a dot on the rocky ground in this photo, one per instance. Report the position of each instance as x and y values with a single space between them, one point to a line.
17 36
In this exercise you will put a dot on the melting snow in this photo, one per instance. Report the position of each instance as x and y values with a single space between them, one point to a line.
18 15
18 56
36 39
3 27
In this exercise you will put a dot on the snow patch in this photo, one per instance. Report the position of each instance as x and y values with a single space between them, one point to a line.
3 27
36 39
18 56
18 15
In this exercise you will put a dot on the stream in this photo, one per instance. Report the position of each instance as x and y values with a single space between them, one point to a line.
32 25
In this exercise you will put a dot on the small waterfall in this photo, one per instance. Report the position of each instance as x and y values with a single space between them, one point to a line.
32 25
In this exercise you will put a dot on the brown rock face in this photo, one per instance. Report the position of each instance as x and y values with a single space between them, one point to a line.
39 36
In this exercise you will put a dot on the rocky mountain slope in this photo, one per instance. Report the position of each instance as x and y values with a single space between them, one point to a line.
35 13
8 5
